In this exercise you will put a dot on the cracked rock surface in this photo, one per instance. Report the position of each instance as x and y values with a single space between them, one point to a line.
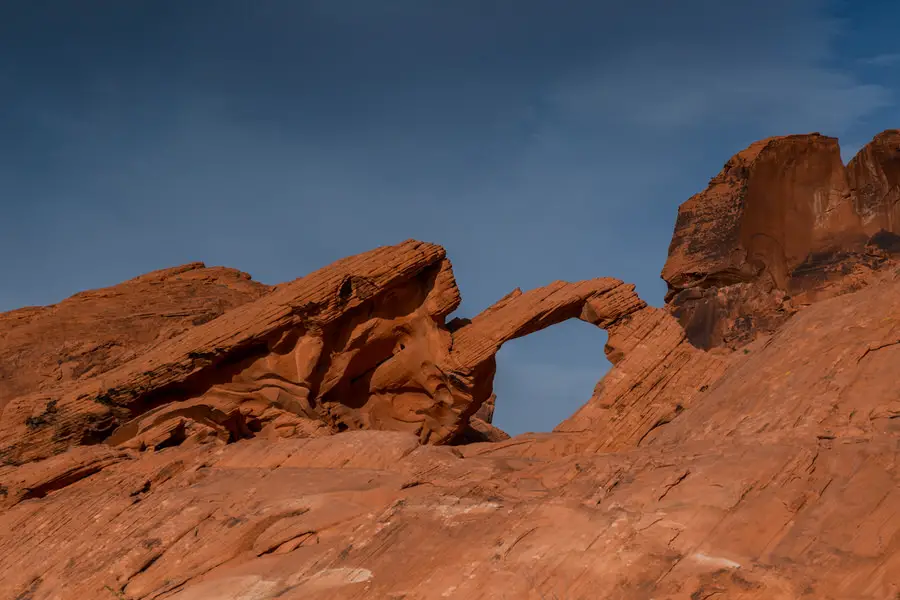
194 435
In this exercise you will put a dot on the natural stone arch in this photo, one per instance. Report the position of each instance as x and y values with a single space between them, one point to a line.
360 344
543 378
600 302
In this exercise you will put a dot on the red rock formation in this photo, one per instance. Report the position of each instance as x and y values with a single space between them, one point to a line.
304 357
782 225
657 374
767 473
779 481
360 344
874 177
92 332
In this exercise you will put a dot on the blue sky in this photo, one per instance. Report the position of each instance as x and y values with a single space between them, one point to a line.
535 139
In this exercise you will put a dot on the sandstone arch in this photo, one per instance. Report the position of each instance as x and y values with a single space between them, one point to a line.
360 344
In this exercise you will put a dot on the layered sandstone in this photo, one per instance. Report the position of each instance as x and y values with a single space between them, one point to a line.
782 225
874 177
657 374
360 344
779 481
331 437
271 367
95 331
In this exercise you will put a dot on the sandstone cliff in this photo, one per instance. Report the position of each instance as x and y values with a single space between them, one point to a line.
784 224
193 435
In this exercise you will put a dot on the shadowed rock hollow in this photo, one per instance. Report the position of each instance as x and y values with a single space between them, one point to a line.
193 435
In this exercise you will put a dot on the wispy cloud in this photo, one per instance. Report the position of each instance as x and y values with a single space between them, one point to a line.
882 60
784 99
788 85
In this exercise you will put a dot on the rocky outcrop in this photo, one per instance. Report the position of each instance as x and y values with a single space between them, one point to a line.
331 437
360 344
778 481
657 374
874 178
828 373
783 225
95 331
301 360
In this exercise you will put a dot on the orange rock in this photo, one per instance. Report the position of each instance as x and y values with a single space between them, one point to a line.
841 384
783 219
657 374
373 514
307 356
93 332
360 344
213 465
874 177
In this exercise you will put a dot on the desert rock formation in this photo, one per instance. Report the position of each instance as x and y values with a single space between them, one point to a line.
92 332
194 435
782 225
874 177
360 344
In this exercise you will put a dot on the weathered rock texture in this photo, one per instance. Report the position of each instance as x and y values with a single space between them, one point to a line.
657 374
331 437
874 177
784 224
92 332
779 481
360 344
272 367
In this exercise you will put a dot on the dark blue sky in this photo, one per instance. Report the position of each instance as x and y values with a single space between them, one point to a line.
535 139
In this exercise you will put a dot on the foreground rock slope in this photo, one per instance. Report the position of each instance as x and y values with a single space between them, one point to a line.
194 435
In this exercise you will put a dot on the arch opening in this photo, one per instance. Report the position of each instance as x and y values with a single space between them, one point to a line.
544 377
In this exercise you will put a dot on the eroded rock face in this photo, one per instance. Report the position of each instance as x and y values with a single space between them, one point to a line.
657 374
783 225
780 480
874 177
360 344
95 331
302 360
214 464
